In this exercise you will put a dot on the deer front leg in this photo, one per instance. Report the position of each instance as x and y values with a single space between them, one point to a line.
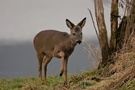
62 67
62 55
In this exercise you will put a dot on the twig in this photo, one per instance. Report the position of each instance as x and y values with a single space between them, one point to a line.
94 24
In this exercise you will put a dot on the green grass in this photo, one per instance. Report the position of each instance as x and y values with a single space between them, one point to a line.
130 86
78 81
29 83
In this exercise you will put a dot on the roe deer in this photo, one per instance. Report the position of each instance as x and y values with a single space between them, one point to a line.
52 43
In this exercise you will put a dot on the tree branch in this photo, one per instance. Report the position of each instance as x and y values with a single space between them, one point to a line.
94 24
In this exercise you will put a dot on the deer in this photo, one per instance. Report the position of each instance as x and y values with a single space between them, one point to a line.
54 43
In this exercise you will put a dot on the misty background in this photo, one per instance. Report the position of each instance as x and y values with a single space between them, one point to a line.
21 20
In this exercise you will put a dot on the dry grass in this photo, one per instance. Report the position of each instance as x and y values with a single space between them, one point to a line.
123 70
121 74
94 54
118 76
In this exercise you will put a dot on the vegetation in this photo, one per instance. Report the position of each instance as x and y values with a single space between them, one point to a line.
29 83
120 34
116 70
79 81
117 77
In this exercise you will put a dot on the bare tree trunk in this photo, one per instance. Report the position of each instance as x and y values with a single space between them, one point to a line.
130 23
114 25
126 27
119 35
99 12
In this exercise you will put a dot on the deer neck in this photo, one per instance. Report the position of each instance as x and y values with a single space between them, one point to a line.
72 42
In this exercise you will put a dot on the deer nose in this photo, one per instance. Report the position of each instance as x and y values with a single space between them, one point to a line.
79 41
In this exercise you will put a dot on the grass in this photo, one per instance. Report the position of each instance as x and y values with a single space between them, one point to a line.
82 81
29 83
130 86
78 81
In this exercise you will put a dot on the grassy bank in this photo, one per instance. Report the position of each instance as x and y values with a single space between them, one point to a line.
78 81
90 80
29 83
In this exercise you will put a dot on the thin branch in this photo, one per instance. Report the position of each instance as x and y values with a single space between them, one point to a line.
94 24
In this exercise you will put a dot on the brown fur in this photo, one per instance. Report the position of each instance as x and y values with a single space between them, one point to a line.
52 43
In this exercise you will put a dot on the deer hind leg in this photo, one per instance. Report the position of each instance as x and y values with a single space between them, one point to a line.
40 60
46 61
65 70
62 67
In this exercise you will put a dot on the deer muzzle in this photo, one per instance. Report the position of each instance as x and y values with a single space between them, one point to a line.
79 41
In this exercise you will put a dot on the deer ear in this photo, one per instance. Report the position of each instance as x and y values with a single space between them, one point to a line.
69 24
82 23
